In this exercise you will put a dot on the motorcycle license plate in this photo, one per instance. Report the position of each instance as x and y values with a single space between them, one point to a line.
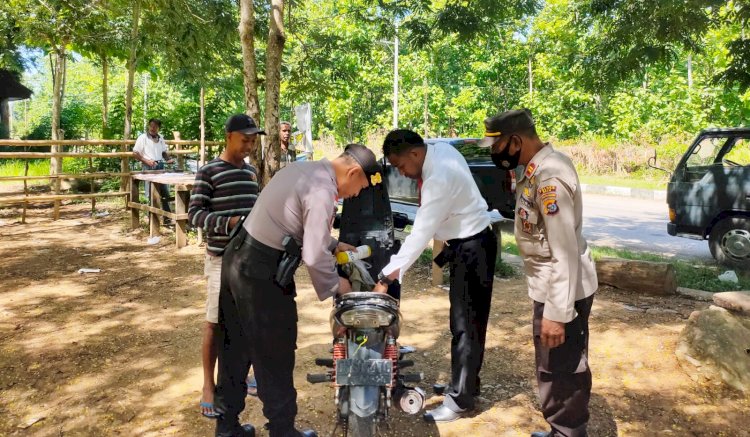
353 371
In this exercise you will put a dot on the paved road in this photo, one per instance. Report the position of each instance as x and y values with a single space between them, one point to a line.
625 223
636 224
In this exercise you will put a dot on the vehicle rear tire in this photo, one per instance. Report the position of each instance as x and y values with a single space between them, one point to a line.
361 426
729 242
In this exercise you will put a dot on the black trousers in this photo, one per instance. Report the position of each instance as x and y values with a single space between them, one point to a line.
563 373
472 270
258 323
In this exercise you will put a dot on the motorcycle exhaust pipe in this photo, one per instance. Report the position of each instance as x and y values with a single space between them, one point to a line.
411 400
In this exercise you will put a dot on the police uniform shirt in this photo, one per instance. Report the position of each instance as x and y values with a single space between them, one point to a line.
558 263
451 206
300 200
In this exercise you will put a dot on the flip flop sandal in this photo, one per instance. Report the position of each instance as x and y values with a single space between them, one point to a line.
213 414
252 387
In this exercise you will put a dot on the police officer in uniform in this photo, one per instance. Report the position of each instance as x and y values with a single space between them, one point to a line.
290 222
559 269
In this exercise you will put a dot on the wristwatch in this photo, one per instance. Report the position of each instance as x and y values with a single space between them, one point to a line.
383 279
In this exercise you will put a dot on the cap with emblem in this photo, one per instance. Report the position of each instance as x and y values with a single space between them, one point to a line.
506 123
366 159
244 124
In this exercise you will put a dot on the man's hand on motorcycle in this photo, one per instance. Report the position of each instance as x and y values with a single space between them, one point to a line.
344 286
380 288
343 247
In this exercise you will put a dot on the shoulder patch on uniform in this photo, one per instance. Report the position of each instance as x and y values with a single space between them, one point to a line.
547 189
530 169
550 206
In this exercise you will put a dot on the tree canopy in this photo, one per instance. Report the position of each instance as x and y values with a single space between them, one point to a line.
618 68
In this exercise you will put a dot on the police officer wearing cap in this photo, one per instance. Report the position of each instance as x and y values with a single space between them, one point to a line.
452 210
559 268
289 223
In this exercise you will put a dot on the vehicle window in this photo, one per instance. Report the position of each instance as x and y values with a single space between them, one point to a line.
739 154
400 187
473 151
705 153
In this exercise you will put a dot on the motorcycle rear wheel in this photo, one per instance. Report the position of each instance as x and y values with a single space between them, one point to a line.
361 426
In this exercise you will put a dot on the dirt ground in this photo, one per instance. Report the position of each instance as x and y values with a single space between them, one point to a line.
117 352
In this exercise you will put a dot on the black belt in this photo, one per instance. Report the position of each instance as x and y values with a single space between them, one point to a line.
262 247
481 234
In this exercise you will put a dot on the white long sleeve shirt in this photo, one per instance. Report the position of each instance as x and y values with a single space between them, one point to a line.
451 206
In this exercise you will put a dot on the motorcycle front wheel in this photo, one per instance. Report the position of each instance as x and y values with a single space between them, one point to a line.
361 426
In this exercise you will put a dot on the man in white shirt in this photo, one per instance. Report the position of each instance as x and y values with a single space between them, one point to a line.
151 150
452 210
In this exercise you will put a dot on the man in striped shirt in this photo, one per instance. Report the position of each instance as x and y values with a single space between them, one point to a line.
224 192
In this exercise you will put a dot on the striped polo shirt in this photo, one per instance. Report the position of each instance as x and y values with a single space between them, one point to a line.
221 191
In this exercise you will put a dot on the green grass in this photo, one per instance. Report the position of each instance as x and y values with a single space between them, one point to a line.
697 275
16 168
624 181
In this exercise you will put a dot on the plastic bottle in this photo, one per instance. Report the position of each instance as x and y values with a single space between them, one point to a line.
350 255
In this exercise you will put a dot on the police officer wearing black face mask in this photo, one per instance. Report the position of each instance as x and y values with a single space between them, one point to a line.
559 269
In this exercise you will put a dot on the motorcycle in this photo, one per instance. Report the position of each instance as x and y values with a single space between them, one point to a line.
366 364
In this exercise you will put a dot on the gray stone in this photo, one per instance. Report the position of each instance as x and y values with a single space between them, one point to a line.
734 300
706 296
713 346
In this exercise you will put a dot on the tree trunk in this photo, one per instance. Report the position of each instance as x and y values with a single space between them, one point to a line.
202 160
132 60
105 99
637 276
249 72
131 64
275 48
426 113
58 92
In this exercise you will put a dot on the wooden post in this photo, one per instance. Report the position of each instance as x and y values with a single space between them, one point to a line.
153 221
57 165
91 186
181 200
180 157
135 198
25 190
437 272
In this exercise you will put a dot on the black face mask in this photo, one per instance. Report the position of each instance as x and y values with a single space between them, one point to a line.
504 160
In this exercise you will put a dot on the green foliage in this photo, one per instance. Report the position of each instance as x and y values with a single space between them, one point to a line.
592 76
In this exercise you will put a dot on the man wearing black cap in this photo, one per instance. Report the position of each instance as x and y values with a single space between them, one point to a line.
256 302
560 272
452 210
224 192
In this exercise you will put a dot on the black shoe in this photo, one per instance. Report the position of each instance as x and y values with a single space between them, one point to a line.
246 430
541 434
307 433
443 414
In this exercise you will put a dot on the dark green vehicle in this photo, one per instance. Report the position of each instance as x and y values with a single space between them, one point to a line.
709 195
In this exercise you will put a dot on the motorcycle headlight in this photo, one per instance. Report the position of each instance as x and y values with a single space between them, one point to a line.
366 318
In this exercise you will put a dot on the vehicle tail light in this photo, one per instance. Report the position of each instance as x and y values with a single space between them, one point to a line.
672 215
